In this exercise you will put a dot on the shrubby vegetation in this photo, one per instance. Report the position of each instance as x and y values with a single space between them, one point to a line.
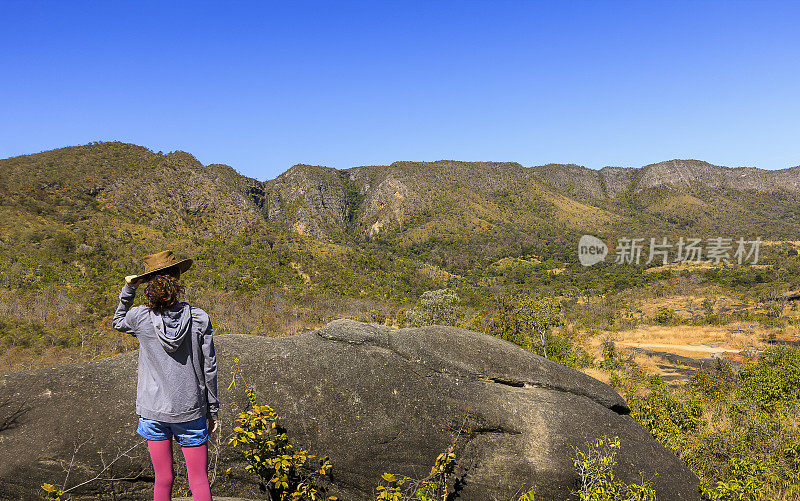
437 486
595 467
435 307
737 432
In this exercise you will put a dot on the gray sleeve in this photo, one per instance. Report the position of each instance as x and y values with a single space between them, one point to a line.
124 320
210 371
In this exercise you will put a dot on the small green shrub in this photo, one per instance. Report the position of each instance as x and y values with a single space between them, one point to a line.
715 382
671 420
665 316
529 495
538 317
51 492
746 483
595 467
738 433
393 490
434 487
708 308
435 308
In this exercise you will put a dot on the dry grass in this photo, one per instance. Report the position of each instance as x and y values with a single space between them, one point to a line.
796 243
726 341
600 375
16 359
52 307
687 306
98 342
681 335
268 313
737 340
264 313
654 364
648 363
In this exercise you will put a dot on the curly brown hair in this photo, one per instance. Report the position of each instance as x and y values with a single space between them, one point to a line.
163 290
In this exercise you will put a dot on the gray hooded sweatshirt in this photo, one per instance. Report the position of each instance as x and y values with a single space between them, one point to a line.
177 362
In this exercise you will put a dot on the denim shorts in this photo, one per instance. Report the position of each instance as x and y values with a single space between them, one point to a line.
188 434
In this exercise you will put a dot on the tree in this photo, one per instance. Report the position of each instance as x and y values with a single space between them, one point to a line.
539 316
436 307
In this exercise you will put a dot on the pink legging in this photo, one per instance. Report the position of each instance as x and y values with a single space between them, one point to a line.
196 469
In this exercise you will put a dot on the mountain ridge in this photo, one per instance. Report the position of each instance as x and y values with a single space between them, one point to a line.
393 194
489 209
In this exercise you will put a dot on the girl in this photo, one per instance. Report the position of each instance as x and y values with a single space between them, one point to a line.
177 389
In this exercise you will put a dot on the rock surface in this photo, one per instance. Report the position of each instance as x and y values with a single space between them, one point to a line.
374 399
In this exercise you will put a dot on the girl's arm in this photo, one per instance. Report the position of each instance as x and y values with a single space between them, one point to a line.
123 321
210 371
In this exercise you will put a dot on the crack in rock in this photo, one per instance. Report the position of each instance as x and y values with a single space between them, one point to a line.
619 409
493 429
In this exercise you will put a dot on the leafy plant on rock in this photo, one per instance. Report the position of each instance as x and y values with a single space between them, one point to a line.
595 467
431 488
287 472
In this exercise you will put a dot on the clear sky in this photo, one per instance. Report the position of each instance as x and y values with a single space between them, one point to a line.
261 86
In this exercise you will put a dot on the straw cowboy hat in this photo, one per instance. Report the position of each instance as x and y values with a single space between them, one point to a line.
160 261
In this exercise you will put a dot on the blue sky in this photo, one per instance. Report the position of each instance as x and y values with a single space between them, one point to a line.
262 86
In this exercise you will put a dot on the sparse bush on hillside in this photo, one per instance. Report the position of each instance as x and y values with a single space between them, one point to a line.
708 307
670 419
737 432
436 307
773 381
717 381
528 323
665 316
538 317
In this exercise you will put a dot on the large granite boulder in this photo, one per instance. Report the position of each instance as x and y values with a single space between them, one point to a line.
374 399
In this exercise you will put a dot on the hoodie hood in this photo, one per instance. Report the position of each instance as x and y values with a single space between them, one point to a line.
172 325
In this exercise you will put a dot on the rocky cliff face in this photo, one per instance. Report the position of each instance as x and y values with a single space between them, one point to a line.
616 180
322 202
309 200
612 182
316 202
386 198
686 173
